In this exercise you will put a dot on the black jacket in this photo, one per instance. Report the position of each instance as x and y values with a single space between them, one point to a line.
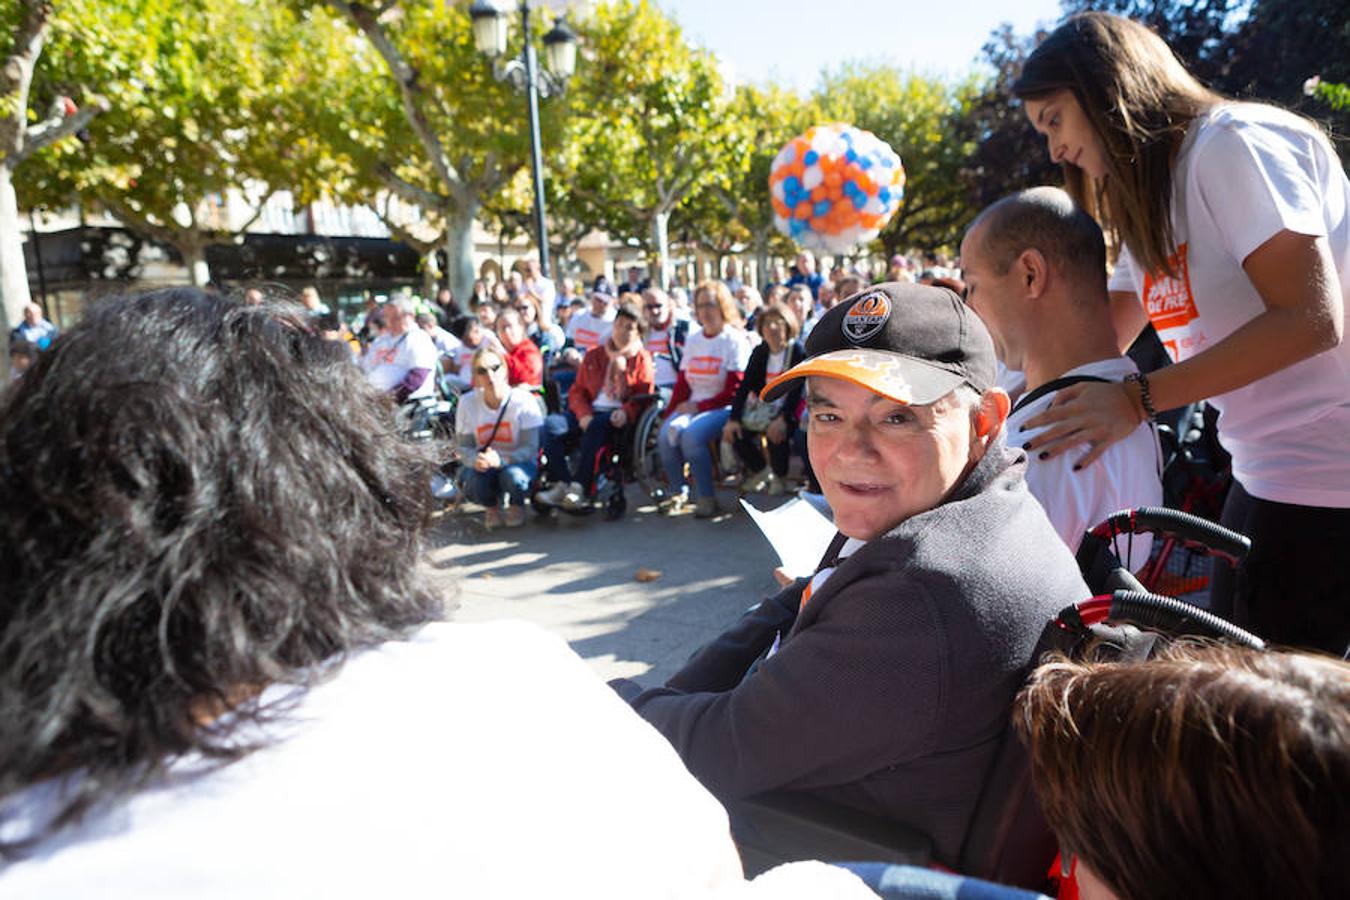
890 690
756 369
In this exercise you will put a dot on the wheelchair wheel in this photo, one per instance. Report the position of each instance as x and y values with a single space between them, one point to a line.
616 505
646 455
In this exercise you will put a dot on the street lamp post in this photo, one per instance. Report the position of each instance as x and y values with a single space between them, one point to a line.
490 27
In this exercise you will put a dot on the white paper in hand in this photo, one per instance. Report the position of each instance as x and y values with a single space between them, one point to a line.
798 533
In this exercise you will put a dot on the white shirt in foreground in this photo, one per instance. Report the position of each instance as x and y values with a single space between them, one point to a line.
473 761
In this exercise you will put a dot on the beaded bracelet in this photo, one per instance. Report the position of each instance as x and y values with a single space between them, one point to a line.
1145 398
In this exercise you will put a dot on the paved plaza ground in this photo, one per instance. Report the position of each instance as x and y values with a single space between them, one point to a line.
576 578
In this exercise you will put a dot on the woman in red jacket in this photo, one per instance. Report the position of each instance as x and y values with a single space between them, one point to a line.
710 372
524 362
599 405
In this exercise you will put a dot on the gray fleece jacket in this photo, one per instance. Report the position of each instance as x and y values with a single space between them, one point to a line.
890 690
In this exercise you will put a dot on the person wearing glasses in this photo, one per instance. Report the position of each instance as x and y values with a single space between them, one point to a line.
715 355
497 433
547 336
666 335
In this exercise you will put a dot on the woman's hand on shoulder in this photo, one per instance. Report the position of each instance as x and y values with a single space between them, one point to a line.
1096 414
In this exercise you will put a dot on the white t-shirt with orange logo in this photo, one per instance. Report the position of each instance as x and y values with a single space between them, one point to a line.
389 359
474 417
1244 173
589 331
658 345
707 360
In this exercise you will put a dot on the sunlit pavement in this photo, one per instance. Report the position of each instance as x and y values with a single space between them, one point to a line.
576 577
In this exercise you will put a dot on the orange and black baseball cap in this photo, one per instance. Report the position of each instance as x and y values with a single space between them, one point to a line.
911 343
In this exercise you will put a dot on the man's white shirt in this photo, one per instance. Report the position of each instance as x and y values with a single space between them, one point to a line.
1127 476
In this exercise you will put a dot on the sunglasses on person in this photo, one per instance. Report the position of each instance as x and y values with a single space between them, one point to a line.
486 370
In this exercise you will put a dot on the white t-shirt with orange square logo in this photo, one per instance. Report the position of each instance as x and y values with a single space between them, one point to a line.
707 360
473 416
588 330
1246 172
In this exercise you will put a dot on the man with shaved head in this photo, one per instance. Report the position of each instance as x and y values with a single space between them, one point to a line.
1035 272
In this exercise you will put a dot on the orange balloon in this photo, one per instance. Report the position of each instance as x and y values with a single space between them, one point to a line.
818 224
819 193
834 180
780 207
803 210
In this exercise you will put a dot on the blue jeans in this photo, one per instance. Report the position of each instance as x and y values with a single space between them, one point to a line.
695 434
895 882
488 488
595 438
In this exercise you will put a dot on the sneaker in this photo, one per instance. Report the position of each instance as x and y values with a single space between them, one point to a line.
553 495
574 498
514 516
776 486
492 518
705 507
675 504
755 483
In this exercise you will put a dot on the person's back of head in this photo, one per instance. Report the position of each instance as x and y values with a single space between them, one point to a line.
1208 771
1045 219
198 498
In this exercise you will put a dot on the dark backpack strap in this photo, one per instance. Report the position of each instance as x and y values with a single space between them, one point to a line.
1050 387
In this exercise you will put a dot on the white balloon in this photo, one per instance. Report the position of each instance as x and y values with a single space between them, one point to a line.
812 177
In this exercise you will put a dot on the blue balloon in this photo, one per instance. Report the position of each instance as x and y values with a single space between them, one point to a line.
866 163
884 195
859 201
792 184
851 155
822 207
811 158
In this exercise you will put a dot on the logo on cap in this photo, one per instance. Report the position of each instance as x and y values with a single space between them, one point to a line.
866 317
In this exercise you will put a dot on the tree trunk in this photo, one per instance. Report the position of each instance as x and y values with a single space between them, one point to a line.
194 257
431 275
761 261
660 270
459 267
14 293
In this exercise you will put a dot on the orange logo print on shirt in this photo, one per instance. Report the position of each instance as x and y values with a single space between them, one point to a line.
502 439
1169 301
587 339
705 365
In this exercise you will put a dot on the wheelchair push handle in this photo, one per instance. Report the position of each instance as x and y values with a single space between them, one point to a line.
1174 616
1190 529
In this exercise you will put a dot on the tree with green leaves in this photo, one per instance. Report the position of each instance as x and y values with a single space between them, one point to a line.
24 30
1009 155
462 134
199 96
658 128
920 117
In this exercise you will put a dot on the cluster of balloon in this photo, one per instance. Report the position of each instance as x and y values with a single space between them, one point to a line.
835 187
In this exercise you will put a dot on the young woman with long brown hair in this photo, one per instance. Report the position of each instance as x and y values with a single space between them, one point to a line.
1234 240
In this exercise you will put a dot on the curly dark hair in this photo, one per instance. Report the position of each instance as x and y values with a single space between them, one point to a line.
198 498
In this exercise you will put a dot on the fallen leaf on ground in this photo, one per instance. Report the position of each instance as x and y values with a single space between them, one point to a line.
647 574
